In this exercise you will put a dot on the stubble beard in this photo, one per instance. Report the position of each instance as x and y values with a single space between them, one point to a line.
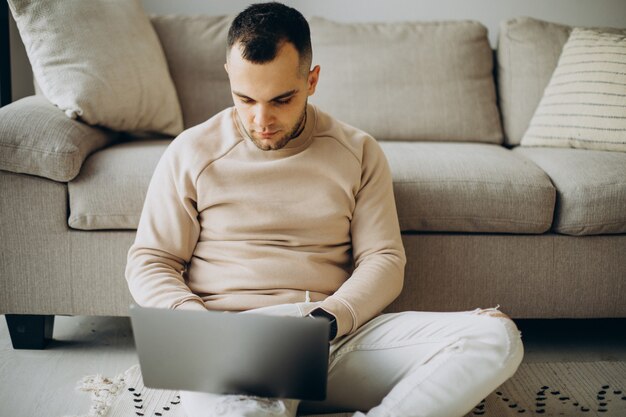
279 144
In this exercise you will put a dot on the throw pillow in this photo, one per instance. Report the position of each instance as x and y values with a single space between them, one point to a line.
584 104
100 61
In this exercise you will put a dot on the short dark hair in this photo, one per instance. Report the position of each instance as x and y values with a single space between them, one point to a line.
263 27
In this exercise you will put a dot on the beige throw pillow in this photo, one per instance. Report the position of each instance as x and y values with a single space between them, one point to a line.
584 105
100 61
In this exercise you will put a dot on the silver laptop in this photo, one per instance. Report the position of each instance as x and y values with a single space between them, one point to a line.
222 353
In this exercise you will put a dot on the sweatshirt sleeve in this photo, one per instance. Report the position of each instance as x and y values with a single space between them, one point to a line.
378 252
166 238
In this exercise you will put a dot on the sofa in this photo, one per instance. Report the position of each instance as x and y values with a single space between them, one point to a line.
538 230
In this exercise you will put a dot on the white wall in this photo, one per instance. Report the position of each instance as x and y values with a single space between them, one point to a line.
610 13
489 12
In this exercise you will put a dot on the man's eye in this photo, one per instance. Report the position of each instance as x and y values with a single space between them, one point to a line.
246 100
284 101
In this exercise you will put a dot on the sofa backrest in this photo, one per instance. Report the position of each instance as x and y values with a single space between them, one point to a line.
397 81
427 81
195 49
528 52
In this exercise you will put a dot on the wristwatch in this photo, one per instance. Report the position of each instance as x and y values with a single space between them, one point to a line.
320 313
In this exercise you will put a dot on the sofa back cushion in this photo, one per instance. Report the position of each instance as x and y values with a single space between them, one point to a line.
195 50
400 81
528 52
408 81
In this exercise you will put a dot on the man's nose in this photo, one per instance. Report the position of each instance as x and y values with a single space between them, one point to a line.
263 116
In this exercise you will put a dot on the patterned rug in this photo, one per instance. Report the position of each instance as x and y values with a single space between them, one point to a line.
569 389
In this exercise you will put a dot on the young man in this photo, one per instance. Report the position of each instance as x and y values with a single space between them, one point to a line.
274 206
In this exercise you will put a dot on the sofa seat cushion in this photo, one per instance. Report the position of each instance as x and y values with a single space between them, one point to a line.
443 187
465 187
112 184
591 188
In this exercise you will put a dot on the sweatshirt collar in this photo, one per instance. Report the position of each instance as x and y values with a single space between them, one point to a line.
300 141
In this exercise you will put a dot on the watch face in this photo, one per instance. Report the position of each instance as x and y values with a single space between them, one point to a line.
319 313
323 313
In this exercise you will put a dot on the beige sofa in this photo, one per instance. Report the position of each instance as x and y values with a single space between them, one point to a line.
539 231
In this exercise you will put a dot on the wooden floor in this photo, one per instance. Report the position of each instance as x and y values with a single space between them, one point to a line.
41 383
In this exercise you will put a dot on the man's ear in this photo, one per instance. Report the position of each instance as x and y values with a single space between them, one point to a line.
314 76
226 67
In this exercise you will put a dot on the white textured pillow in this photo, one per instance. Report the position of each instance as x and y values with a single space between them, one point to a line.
584 105
100 61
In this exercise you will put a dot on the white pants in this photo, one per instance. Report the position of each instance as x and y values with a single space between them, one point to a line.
396 365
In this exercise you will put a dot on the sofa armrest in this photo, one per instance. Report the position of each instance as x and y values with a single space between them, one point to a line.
39 139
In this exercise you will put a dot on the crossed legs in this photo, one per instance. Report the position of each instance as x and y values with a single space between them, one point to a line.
400 364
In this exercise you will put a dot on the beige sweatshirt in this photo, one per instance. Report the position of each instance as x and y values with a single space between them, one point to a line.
227 226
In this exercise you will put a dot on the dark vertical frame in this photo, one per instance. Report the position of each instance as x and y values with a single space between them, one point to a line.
5 55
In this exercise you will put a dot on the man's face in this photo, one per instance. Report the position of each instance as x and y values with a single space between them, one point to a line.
271 98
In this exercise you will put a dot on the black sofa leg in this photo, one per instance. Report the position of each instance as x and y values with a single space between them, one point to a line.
30 331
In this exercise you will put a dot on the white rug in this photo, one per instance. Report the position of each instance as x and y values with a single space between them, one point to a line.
126 396
569 389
